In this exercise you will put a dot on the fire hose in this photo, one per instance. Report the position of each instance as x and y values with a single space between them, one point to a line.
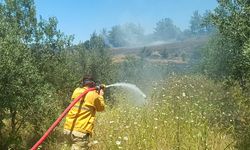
59 119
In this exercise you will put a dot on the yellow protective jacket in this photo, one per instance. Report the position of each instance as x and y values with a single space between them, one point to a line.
80 119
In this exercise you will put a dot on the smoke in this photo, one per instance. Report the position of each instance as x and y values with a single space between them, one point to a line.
131 35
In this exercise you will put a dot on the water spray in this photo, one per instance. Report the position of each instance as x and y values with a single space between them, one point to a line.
128 86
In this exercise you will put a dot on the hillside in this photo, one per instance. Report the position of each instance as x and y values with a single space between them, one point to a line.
177 52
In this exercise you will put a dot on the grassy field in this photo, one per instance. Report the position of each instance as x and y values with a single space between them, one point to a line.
182 112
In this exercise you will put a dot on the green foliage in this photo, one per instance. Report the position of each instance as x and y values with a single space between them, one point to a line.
227 58
19 83
92 58
196 22
230 17
200 24
23 92
166 30
126 35
22 16
214 64
50 55
131 70
226 55
95 42
116 37
246 55
32 61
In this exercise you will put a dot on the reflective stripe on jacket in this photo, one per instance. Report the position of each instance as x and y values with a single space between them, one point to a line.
81 116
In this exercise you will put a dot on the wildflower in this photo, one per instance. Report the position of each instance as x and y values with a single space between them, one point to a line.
183 94
155 119
111 122
156 127
118 142
126 127
125 138
177 97
95 142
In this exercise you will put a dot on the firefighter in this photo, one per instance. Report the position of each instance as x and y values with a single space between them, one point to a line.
79 122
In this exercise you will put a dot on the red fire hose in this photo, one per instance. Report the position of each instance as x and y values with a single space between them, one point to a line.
59 119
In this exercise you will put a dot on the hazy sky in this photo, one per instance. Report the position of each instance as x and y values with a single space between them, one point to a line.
83 17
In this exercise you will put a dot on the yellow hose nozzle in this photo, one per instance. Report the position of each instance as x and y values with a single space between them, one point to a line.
101 86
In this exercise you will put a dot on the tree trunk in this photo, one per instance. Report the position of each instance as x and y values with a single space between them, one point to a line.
13 113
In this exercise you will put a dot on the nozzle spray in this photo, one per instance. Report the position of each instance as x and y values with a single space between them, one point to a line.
100 87
129 86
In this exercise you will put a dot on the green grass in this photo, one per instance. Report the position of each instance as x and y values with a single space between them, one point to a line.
183 113
179 115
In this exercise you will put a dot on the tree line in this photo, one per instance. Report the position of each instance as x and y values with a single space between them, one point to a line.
131 34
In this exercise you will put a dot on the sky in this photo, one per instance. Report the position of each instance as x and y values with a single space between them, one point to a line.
82 17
